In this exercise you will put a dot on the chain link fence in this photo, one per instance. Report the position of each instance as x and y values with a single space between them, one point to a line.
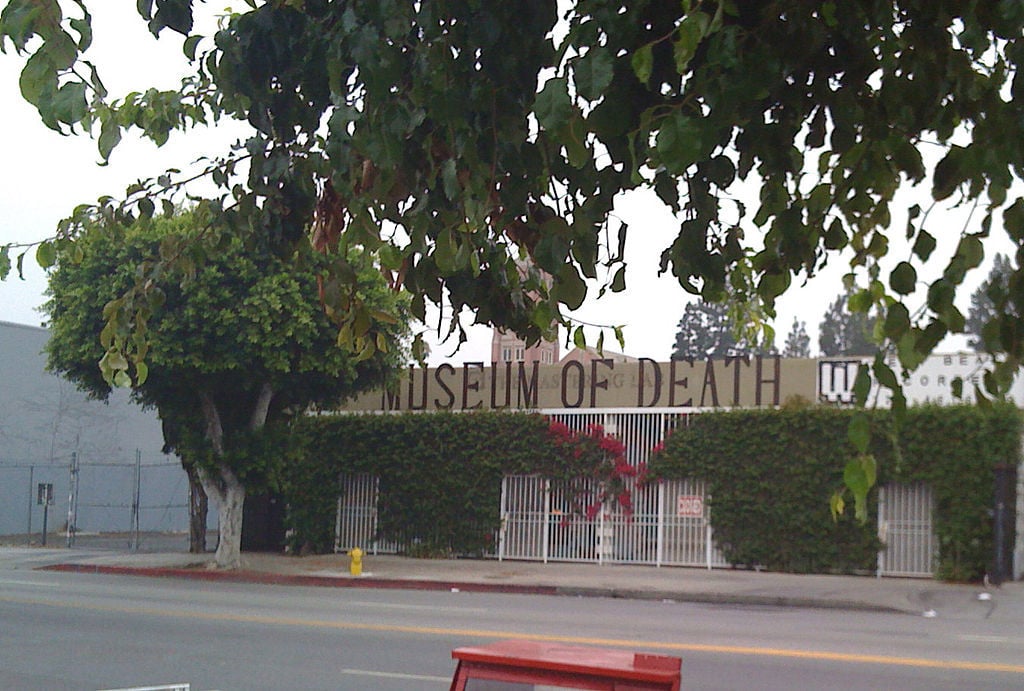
54 502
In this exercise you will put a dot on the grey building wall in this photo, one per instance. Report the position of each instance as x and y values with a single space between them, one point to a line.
45 419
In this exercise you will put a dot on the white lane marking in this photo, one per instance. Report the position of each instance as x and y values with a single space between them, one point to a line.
9 581
393 675
978 638
426 608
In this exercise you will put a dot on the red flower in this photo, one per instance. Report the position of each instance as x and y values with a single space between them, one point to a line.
623 469
626 501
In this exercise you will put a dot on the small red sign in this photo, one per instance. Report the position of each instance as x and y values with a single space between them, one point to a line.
691 506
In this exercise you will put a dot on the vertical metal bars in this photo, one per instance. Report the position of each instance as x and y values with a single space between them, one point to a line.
356 522
905 528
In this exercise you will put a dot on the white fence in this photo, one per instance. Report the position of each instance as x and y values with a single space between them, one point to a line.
541 521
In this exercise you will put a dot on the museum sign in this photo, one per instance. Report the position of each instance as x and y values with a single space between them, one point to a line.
734 382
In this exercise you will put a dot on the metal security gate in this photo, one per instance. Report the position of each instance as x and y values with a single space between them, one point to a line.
685 537
356 519
525 517
546 521
905 529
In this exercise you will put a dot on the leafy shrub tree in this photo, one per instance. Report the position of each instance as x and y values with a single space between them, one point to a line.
237 344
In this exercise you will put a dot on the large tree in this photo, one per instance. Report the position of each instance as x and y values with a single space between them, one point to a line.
798 343
993 297
453 138
709 330
238 343
844 331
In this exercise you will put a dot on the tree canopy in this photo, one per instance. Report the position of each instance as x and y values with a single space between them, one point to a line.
709 330
454 139
992 298
846 332
798 343
237 344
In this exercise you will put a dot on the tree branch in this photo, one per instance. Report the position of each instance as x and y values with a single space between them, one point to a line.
262 407
214 428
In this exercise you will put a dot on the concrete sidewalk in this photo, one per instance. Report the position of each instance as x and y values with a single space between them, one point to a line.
919 597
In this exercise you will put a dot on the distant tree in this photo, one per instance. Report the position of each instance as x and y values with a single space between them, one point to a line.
708 330
989 302
798 343
238 344
844 332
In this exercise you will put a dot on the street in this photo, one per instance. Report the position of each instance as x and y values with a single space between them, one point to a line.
81 631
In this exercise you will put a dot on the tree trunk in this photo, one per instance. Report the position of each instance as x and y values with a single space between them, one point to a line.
229 494
226 489
230 504
198 509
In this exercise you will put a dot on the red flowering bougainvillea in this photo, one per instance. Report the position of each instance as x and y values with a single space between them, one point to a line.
592 455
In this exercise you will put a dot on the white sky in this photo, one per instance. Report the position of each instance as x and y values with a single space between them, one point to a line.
45 175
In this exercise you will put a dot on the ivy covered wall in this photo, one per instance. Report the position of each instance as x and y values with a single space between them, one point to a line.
440 473
769 474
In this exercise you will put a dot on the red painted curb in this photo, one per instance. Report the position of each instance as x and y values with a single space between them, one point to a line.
243 576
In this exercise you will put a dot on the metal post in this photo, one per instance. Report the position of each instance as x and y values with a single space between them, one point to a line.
660 548
72 500
1003 476
883 522
31 492
136 492
501 530
546 528
709 533
46 512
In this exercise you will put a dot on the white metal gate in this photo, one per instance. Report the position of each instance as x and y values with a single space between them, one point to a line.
905 529
545 521
356 519
685 537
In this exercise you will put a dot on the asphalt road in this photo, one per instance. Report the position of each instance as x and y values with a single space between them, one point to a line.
78 631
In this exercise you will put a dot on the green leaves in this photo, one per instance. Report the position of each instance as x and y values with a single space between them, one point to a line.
689 35
46 254
593 74
859 476
5 262
642 62
553 106
903 278
569 288
679 142
949 173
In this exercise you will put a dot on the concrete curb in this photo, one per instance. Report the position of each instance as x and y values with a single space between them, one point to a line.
201 572
244 576
746 599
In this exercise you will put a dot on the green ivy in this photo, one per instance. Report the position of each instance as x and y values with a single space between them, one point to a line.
768 473
440 474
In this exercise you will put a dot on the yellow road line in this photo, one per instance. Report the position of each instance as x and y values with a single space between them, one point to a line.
963 665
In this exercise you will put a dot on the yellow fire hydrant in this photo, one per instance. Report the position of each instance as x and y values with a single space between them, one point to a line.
355 566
